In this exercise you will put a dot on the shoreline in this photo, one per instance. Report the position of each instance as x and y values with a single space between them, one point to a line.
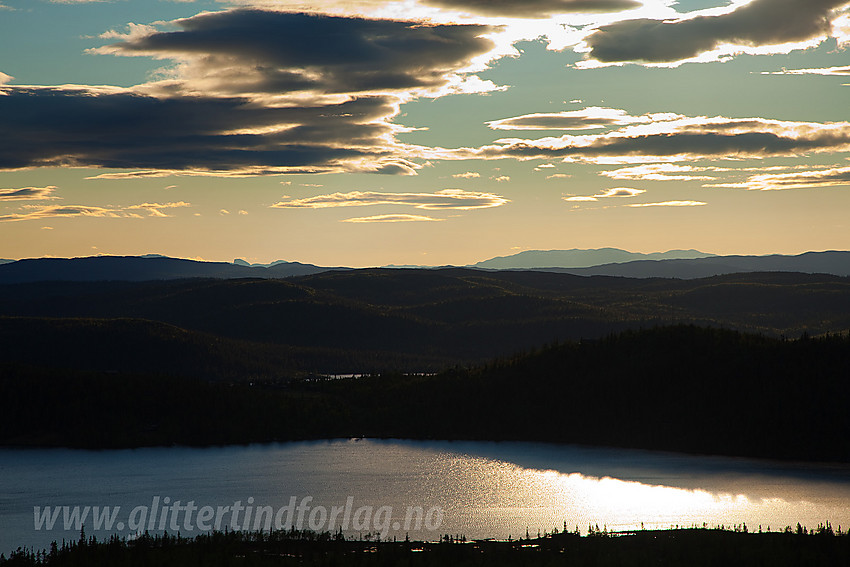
679 546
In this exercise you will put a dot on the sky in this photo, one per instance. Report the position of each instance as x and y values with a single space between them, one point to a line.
422 132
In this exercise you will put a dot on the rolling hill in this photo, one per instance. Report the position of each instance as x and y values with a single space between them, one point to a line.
425 320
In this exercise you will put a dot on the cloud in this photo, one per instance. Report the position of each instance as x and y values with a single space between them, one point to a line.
444 199
796 180
674 140
660 172
117 128
670 204
833 71
500 178
147 174
606 194
781 24
841 30
236 173
261 51
61 211
250 92
559 176
41 212
155 209
590 118
28 194
467 175
533 8
392 218
620 192
4 78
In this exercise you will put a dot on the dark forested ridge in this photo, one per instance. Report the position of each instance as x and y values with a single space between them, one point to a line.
676 388
129 345
411 320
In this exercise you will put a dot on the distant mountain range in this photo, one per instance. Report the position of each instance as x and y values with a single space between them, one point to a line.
143 268
680 264
580 258
832 262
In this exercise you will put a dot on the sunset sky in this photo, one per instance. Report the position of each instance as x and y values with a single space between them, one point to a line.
373 132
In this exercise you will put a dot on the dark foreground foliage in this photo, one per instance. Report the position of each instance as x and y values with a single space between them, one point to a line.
679 388
680 547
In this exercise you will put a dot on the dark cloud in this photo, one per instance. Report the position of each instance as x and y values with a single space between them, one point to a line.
606 194
252 92
839 176
761 22
28 194
661 172
249 50
78 127
443 199
621 192
61 211
392 218
826 71
533 8
690 138
589 118
33 212
552 122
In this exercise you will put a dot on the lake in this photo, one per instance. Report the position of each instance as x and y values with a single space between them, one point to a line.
392 488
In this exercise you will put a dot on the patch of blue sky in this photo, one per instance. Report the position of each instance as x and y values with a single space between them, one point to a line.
45 43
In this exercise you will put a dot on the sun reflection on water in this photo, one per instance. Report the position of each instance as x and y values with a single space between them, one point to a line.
514 495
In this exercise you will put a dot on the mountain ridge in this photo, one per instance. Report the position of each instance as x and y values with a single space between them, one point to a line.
832 262
156 267
143 268
581 258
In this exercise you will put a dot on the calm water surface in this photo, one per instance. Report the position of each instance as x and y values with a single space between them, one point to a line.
477 489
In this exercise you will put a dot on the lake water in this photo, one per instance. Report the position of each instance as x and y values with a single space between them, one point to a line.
393 488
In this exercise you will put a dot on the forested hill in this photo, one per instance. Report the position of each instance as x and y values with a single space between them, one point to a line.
380 320
678 388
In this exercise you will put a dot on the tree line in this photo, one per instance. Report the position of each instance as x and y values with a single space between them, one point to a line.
677 388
